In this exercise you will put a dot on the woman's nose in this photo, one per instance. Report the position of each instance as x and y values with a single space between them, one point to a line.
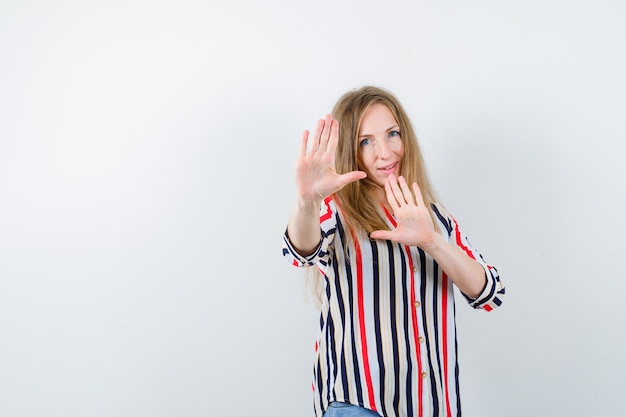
383 149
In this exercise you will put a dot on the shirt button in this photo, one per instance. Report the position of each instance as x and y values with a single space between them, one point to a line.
414 269
417 304
424 375
420 339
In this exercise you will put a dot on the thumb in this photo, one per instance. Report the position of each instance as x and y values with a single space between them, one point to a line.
352 176
381 235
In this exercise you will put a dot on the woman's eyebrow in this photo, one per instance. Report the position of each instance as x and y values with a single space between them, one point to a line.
394 127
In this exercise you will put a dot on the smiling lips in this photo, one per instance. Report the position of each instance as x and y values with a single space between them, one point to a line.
389 169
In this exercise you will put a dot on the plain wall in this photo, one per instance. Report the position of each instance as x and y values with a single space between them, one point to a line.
146 177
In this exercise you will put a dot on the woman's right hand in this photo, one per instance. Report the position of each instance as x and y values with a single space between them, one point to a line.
316 177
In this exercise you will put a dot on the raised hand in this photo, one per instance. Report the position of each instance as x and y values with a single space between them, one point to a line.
316 177
414 224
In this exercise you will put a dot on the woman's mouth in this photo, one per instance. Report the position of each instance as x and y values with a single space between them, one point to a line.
388 169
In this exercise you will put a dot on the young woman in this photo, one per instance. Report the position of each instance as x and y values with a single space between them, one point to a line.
388 255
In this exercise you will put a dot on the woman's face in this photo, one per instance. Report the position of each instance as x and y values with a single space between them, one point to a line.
380 144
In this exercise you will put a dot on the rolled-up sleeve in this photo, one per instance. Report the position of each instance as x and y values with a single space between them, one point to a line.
493 293
328 224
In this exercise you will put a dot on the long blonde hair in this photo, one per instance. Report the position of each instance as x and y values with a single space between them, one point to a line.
358 201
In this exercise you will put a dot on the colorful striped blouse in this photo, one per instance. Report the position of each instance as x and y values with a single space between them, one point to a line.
387 339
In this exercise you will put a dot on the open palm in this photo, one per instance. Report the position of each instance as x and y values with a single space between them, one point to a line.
414 224
316 177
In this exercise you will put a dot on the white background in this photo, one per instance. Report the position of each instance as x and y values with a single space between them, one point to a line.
146 177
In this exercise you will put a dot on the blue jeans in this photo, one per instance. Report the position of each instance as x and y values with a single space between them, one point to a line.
337 409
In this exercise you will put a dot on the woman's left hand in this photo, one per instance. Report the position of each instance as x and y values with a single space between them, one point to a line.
414 224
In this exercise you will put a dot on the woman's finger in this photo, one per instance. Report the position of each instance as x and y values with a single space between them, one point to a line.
418 195
381 235
352 176
326 132
391 198
333 138
397 192
406 192
315 142
303 143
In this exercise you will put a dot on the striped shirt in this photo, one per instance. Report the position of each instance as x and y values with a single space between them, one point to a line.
387 339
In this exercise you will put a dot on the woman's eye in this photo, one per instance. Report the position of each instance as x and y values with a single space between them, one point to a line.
394 134
365 142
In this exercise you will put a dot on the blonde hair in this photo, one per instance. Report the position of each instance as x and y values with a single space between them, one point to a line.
359 200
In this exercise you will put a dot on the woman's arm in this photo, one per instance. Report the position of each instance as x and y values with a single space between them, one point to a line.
316 179
415 228
303 229
466 273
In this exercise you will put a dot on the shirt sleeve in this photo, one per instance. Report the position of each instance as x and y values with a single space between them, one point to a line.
328 226
492 295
